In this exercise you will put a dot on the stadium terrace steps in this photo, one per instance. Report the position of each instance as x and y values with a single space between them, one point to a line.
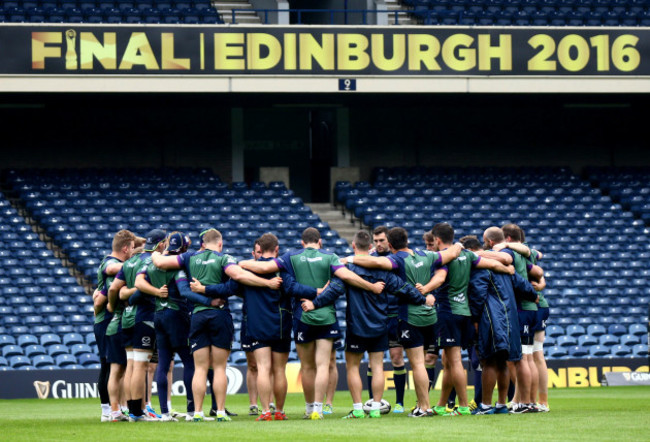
403 18
225 7
58 252
336 220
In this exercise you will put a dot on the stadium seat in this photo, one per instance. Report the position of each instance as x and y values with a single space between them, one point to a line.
617 329
634 329
575 331
57 349
557 352
65 360
599 351
578 351
596 330
640 350
18 362
621 351
554 331
11 350
42 361
88 359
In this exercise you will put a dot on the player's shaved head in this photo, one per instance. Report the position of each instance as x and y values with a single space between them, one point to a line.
362 241
493 235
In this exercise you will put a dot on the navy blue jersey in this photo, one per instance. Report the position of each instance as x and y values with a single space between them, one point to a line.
367 313
393 301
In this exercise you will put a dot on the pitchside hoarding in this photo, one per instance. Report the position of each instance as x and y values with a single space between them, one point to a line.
64 384
76 49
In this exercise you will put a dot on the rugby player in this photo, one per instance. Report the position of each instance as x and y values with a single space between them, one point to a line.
108 323
417 330
366 316
314 331
455 329
493 305
171 318
540 332
212 330
270 331
137 326
494 238
246 345
395 349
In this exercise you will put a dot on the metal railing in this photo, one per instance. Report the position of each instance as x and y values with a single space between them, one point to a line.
331 12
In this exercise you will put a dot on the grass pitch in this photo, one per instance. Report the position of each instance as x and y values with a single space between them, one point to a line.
605 413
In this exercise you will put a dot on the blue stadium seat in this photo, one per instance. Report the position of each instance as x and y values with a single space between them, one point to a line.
575 331
596 330
65 360
557 352
578 351
630 340
617 329
74 338
88 359
640 350
57 349
621 351
78 349
18 362
42 361
608 340
587 340
599 351
634 329
34 350
11 350
566 341
7 340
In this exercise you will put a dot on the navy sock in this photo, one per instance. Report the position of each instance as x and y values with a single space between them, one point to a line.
369 375
511 391
431 372
399 377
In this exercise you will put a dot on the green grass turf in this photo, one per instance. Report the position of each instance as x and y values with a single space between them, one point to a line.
605 413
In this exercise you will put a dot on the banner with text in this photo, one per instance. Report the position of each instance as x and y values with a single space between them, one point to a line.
65 384
76 49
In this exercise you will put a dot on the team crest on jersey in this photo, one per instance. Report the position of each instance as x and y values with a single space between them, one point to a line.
459 297
418 264
461 258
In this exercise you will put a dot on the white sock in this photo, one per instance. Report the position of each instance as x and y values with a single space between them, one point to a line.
500 405
169 405
198 413
375 405
309 407
106 408
318 407
271 405
484 407
357 406
221 412
124 409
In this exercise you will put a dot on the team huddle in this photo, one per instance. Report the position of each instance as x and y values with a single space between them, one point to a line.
156 297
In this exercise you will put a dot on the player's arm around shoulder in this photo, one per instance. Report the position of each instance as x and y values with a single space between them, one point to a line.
165 262
245 277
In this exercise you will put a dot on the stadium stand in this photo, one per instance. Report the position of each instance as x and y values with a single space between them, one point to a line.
81 210
580 225
46 317
530 12
110 11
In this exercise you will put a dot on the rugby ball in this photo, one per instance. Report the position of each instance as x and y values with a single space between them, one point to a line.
383 409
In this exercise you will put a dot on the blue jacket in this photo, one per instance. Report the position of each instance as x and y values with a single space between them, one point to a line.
366 313
493 305
267 313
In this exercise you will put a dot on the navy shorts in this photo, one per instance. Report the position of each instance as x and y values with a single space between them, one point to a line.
455 330
115 352
144 336
100 337
127 335
527 322
411 336
172 328
211 328
304 333
393 332
359 344
277 345
540 320
247 344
